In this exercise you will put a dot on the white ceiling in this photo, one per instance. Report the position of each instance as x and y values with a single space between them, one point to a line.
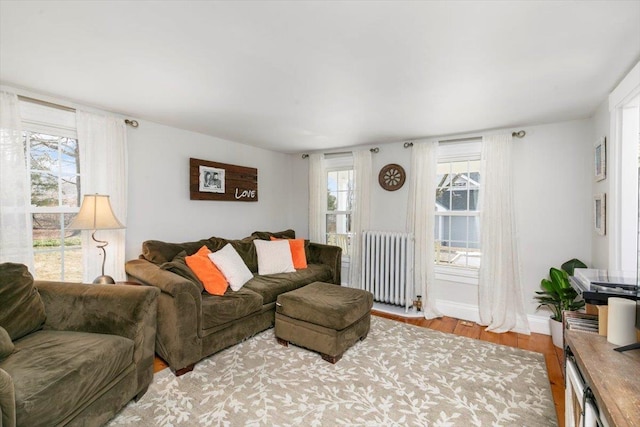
298 76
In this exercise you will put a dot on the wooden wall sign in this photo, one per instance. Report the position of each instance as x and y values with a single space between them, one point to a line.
220 181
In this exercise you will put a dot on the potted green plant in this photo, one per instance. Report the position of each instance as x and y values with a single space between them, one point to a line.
558 295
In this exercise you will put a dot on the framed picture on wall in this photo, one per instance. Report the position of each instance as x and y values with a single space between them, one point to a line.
211 180
600 213
600 158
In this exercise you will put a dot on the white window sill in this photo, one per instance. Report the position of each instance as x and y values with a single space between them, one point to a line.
457 274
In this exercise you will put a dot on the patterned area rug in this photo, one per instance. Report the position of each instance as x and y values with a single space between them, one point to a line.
400 375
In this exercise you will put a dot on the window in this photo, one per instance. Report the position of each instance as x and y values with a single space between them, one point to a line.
457 219
339 203
52 153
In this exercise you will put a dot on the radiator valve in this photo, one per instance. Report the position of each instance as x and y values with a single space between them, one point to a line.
417 303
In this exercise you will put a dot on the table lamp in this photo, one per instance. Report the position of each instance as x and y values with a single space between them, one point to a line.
96 214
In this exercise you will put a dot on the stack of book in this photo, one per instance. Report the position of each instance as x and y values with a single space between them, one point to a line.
576 321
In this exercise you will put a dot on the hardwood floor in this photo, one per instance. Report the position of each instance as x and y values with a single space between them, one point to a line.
535 342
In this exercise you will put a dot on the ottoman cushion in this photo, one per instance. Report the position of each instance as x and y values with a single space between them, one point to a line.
332 306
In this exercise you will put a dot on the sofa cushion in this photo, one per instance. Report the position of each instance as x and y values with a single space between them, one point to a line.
274 257
212 278
178 265
6 345
299 248
22 309
244 248
272 285
56 372
267 235
159 252
232 266
233 305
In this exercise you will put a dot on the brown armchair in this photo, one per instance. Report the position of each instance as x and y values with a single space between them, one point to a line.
72 353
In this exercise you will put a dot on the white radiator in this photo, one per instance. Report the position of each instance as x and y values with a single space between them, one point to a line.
387 266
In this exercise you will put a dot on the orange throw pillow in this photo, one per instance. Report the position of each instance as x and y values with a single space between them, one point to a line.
297 252
213 280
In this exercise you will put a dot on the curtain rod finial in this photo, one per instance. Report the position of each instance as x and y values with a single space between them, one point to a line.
374 150
519 134
408 144
132 123
304 156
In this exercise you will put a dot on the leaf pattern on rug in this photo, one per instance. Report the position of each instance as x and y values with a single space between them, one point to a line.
400 375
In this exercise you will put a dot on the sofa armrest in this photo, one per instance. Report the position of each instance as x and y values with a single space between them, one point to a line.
124 310
179 313
328 255
7 401
150 274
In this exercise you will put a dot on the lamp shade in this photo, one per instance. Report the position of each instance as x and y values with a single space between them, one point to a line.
95 214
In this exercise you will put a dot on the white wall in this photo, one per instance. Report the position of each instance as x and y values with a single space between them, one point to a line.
159 207
553 177
600 121
553 185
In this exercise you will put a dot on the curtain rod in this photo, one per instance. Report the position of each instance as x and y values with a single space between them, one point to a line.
46 103
132 123
518 134
373 150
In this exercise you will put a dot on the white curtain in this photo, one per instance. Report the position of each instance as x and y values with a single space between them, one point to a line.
16 238
421 220
103 167
360 211
317 198
500 291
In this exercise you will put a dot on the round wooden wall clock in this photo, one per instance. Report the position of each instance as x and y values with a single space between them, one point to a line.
391 177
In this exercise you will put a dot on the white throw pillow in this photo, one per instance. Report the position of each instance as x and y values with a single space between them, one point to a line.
274 256
232 266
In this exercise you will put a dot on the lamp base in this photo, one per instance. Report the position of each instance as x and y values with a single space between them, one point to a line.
104 280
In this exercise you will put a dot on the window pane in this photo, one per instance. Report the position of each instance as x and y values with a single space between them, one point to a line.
69 160
343 201
343 180
70 191
332 181
443 199
459 200
473 199
56 258
474 231
332 201
44 152
459 230
44 189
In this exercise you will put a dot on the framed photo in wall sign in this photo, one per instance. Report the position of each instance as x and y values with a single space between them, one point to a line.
600 213
211 180
600 158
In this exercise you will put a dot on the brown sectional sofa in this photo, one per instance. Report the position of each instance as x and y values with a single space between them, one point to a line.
193 324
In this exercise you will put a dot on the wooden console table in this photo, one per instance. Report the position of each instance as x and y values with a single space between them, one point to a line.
613 377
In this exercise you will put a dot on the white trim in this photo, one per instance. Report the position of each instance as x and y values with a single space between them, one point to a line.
537 324
626 90
468 276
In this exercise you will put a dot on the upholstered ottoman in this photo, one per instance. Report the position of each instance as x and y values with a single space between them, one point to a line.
323 317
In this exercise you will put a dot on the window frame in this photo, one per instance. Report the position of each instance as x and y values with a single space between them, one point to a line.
337 163
459 151
40 119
